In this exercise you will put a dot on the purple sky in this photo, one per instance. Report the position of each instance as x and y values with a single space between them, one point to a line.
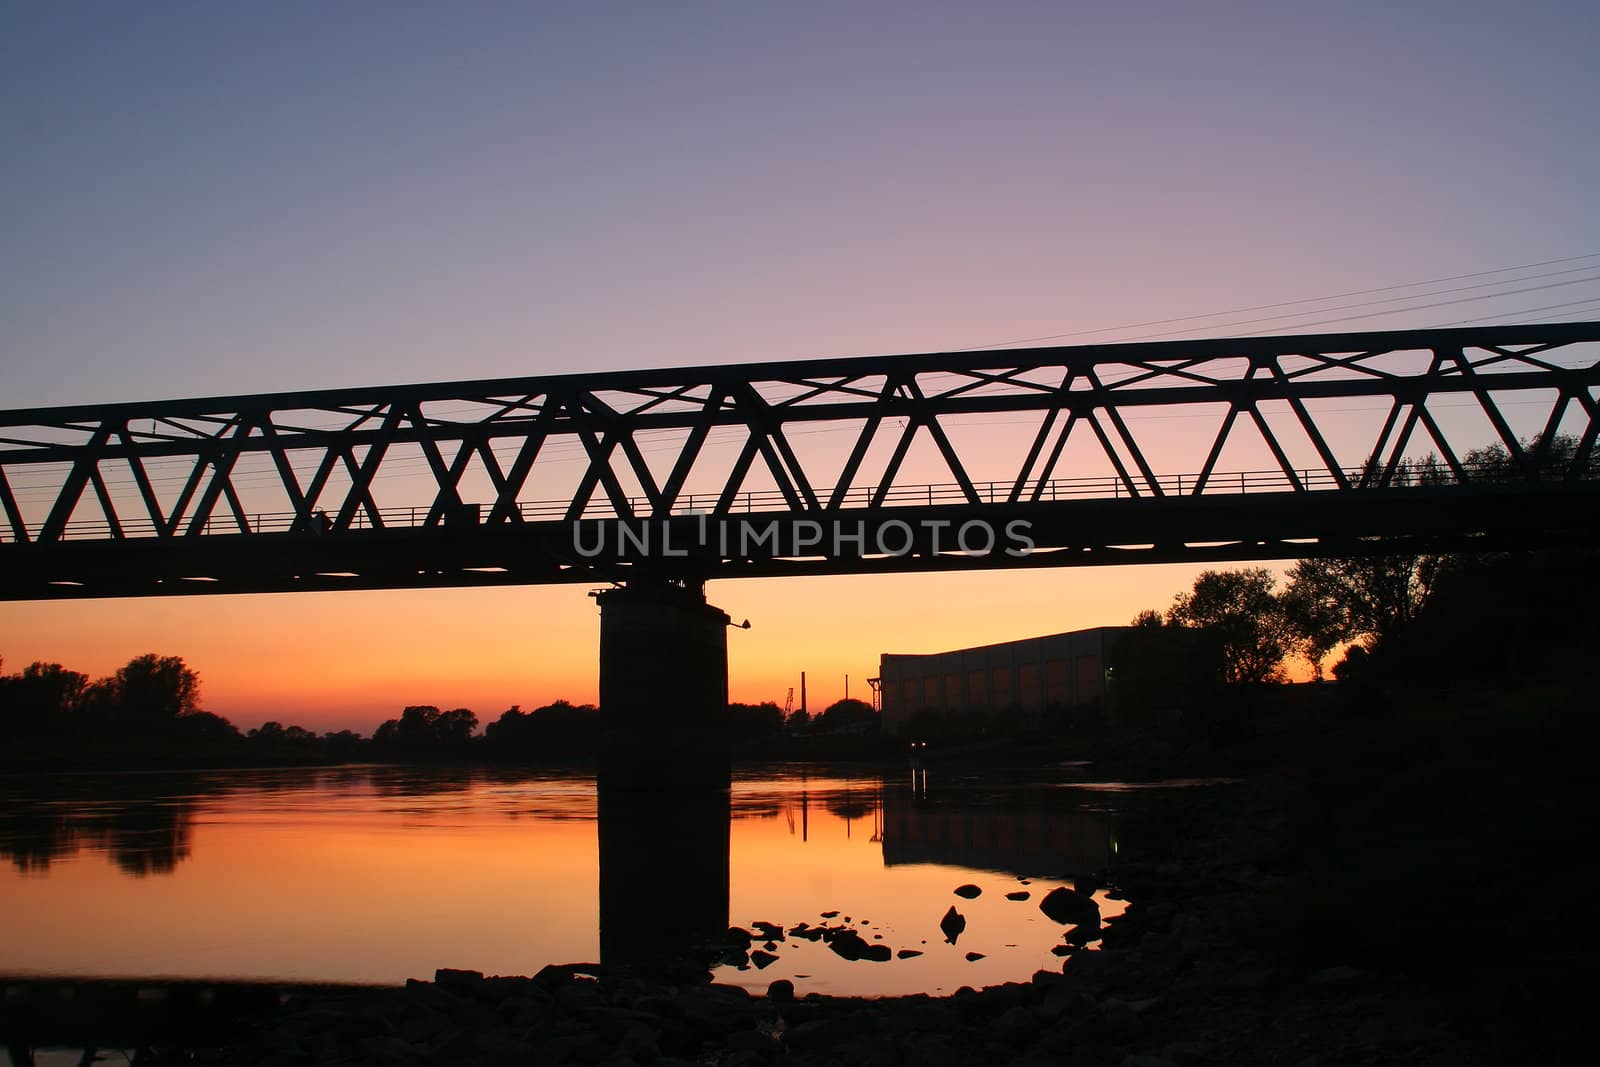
221 198
209 199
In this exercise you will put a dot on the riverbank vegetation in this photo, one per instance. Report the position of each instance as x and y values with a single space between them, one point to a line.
147 715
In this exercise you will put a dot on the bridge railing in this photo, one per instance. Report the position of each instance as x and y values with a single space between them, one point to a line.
934 494
637 439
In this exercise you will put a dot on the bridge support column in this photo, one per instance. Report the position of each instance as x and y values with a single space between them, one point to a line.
664 778
663 689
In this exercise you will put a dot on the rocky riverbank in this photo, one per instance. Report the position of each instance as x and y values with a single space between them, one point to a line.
1134 1008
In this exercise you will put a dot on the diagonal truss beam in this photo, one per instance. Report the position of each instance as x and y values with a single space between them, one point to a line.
742 429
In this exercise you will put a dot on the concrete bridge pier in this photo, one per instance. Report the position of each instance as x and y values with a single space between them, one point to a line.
663 688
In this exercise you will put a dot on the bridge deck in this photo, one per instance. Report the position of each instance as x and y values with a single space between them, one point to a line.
1209 528
431 485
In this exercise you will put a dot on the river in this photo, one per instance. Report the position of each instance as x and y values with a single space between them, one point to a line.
379 873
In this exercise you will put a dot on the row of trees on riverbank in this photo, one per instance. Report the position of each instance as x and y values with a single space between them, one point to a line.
148 713
150 696
563 730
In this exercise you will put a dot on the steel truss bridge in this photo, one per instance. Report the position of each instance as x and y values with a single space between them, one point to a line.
564 478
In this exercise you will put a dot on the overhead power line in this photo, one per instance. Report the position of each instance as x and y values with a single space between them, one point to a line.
1524 313
1292 303
1391 311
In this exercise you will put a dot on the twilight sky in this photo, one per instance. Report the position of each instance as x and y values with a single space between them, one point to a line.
205 198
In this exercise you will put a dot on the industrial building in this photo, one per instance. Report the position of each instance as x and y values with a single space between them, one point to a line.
1056 671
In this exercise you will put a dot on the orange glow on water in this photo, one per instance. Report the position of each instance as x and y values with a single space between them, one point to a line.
347 897
380 874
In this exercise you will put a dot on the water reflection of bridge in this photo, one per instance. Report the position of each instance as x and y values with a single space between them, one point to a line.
1030 842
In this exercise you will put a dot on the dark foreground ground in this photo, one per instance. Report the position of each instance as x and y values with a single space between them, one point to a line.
1391 882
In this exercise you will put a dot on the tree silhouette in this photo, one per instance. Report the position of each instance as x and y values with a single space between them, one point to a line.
1148 619
560 729
424 730
454 728
417 725
206 726
1318 623
342 745
754 722
148 695
1367 599
847 714
1539 461
40 699
1373 599
1240 610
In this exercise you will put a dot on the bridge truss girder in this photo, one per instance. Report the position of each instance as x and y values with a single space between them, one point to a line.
82 512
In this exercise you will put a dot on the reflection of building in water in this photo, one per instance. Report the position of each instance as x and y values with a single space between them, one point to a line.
1060 670
1035 843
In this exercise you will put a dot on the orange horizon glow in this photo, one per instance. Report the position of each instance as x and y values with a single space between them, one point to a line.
332 661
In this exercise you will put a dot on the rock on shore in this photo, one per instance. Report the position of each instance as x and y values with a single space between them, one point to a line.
1176 985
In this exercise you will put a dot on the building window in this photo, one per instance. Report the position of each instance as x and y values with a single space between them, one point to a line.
1089 679
1000 691
1055 683
1028 686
